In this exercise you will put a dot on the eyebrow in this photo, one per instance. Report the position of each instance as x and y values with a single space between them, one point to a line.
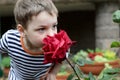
44 25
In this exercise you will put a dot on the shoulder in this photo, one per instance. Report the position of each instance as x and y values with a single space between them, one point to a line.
12 32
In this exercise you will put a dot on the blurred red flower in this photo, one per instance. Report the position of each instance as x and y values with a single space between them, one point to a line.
56 46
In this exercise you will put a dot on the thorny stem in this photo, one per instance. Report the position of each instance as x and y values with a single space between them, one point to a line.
73 68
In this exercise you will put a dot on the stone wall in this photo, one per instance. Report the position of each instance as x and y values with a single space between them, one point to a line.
106 30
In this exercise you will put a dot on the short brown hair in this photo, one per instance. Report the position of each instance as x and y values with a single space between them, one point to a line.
25 9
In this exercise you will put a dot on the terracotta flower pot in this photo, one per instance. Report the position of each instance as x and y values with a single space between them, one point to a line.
6 71
96 68
62 77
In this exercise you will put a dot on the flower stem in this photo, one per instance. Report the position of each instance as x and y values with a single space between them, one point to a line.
72 68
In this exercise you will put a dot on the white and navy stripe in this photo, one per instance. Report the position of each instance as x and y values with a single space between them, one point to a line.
23 65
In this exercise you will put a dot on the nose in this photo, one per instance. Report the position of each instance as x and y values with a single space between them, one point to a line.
52 32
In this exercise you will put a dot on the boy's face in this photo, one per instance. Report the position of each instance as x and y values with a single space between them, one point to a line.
39 27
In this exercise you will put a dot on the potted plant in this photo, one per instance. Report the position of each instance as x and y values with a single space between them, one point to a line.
108 73
6 65
63 73
94 60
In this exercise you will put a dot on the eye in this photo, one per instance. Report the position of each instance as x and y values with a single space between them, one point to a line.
55 26
41 30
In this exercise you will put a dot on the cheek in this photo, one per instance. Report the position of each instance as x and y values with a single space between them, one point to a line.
39 40
36 40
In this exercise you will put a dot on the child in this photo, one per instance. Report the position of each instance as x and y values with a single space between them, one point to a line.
35 20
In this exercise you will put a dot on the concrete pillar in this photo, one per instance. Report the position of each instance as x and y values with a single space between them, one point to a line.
106 30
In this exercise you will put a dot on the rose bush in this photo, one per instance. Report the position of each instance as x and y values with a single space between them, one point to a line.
55 47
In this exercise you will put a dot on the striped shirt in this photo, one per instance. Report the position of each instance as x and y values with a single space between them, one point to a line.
23 65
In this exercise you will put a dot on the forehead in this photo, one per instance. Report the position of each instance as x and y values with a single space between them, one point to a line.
44 18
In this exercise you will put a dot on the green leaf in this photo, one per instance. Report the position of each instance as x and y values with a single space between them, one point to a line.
114 79
98 50
80 62
1 72
78 71
71 76
6 61
90 51
91 76
116 16
109 73
112 70
86 79
107 77
115 44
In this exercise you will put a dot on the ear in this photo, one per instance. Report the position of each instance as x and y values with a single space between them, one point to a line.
21 30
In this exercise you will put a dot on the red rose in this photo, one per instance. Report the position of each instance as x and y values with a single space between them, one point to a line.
56 46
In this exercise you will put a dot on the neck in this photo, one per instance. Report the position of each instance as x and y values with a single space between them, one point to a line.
30 47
